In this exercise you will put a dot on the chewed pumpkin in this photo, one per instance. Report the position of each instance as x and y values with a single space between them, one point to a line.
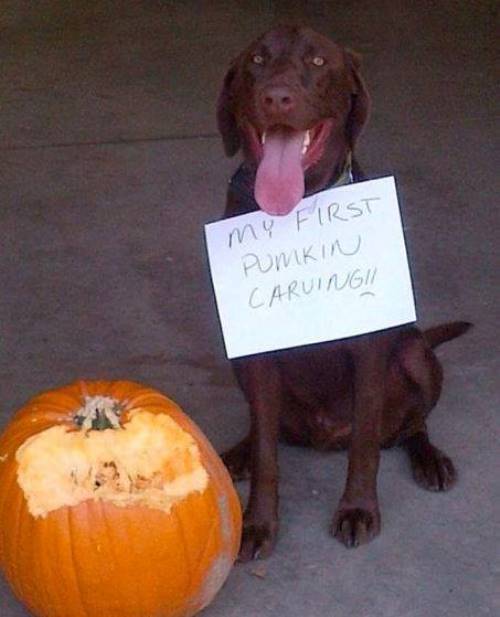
113 504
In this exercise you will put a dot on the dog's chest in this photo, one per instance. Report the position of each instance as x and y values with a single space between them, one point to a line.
313 373
317 388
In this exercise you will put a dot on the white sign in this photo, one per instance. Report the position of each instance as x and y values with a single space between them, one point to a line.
334 267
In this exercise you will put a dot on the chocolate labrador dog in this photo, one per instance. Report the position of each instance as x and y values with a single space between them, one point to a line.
295 103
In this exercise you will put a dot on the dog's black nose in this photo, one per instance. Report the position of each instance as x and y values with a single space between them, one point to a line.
277 100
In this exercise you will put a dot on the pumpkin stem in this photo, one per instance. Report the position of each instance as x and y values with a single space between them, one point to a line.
98 413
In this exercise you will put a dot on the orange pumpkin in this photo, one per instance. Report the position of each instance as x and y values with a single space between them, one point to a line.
113 504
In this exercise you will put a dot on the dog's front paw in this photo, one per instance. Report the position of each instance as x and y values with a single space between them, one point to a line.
355 526
258 540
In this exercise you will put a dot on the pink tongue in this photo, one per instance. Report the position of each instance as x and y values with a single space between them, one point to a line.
279 184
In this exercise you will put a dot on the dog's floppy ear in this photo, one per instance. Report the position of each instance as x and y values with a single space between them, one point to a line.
226 121
361 100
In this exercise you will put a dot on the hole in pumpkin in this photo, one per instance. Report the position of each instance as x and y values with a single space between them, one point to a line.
149 461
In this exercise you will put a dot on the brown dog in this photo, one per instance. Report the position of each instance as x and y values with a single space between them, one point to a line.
295 103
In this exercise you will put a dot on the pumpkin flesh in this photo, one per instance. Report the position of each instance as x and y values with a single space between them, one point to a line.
151 461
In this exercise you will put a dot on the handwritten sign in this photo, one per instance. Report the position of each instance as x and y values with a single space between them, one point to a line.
334 267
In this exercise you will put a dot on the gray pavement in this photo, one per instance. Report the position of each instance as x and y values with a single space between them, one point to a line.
110 166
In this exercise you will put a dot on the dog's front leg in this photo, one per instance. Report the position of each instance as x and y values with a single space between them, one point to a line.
260 380
357 519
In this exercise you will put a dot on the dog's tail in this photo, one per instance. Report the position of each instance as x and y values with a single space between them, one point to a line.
446 332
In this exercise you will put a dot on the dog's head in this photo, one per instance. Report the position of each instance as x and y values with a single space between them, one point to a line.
295 103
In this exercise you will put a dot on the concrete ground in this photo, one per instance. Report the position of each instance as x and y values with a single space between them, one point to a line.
109 167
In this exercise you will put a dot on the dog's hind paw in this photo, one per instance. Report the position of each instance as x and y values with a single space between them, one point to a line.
431 468
435 472
237 460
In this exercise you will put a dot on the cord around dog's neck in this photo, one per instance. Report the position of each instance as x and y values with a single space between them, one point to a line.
345 176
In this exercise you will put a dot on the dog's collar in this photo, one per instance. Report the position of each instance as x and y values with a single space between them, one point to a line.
242 183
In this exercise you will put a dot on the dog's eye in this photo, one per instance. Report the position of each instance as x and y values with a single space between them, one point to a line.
318 61
257 59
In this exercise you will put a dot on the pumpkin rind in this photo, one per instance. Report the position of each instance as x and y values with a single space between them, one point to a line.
97 559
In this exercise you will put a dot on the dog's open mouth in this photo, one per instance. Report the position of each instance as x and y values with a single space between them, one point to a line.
283 155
